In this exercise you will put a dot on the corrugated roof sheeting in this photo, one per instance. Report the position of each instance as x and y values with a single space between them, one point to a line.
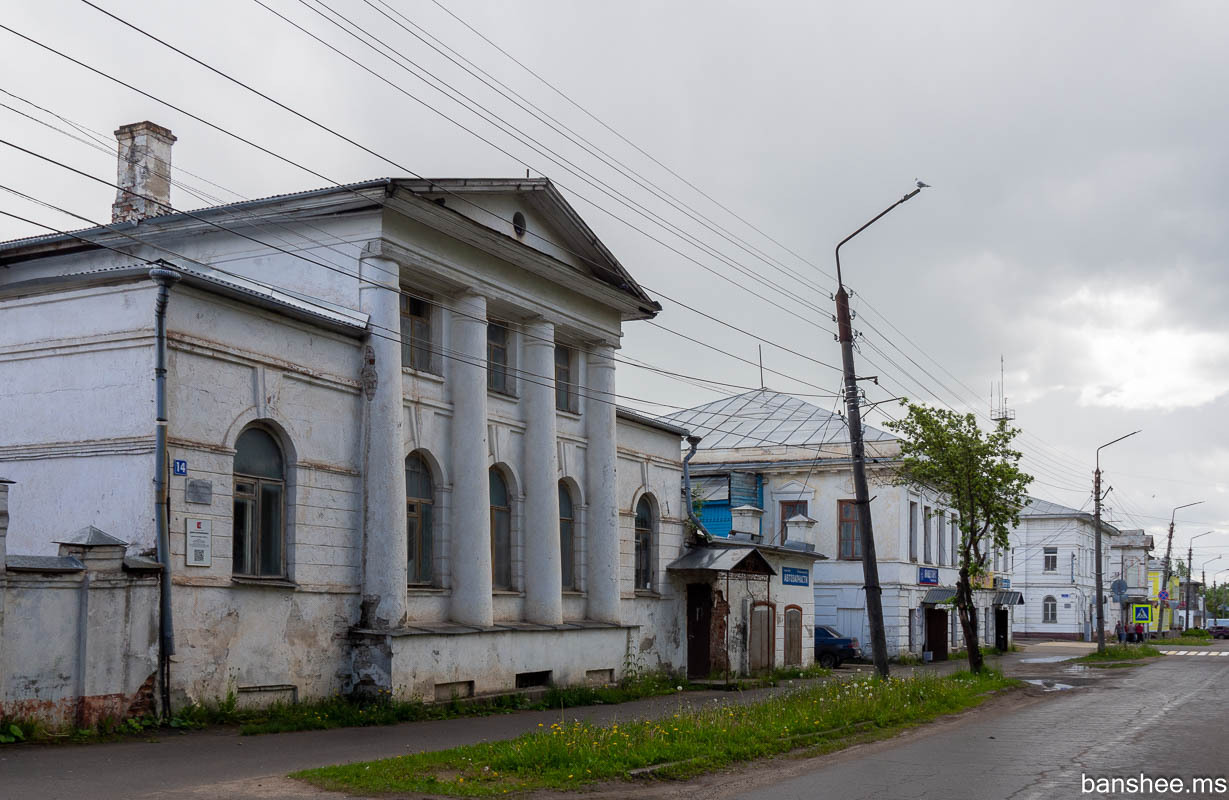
764 418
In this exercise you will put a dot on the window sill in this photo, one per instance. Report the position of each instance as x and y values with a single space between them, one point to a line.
648 593
274 583
511 398
418 588
572 415
573 593
427 375
507 593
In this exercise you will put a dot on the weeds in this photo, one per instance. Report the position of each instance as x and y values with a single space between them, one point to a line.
689 742
1122 652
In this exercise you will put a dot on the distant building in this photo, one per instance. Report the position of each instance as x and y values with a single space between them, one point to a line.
771 464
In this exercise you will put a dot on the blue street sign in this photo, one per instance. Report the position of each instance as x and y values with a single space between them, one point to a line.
795 576
1164 595
1141 613
180 467
928 576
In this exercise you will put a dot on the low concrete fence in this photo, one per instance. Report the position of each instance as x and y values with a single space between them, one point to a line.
78 630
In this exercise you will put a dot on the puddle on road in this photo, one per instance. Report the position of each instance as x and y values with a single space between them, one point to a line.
1050 686
1046 659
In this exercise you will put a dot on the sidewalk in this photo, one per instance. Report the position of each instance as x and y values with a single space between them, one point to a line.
209 763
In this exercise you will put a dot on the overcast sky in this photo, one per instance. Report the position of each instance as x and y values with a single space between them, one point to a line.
1077 224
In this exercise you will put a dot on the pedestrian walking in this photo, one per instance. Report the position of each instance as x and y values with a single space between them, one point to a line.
1139 632
1119 633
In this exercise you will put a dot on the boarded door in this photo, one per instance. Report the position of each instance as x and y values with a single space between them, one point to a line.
760 642
793 636
699 629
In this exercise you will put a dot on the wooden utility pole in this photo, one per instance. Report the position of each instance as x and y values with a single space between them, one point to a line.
853 414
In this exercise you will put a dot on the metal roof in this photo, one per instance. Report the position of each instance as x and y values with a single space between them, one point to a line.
724 559
89 536
43 564
764 418
1036 507
940 595
1005 597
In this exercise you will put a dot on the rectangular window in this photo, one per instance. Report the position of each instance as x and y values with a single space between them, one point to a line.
912 531
258 533
416 334
565 382
940 539
501 548
498 378
1051 559
927 518
912 611
850 540
789 510
955 541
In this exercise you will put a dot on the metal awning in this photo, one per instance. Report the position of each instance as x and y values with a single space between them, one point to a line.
939 595
1007 598
744 560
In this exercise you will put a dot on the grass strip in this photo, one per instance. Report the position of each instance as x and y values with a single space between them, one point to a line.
1186 641
1121 652
693 740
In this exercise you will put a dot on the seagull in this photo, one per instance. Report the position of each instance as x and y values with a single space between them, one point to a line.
921 185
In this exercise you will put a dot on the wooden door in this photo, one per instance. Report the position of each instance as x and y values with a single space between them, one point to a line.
936 633
699 629
760 640
793 636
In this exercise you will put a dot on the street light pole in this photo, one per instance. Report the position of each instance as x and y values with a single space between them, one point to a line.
1169 548
853 414
1190 573
1096 493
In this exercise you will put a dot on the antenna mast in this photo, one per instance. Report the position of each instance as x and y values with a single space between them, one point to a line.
1000 412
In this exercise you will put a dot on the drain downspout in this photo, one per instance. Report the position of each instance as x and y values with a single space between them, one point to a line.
165 278
694 441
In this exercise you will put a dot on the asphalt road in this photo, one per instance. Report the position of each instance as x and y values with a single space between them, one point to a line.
1163 719
1169 718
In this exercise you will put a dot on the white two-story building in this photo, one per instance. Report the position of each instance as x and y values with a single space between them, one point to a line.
774 457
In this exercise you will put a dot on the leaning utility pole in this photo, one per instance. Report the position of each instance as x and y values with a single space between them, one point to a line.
853 413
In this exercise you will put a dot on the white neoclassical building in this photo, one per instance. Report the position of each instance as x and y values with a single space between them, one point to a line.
393 458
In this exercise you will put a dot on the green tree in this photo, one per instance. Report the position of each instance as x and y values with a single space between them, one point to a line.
979 473
1217 600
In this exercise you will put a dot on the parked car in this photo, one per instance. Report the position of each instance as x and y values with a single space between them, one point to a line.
1219 631
831 648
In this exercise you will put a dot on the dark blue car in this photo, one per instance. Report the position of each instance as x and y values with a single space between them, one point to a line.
831 648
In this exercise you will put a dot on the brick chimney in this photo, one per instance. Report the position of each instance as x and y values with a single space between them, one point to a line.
144 169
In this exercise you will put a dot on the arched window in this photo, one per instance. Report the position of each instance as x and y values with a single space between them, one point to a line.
259 533
419 519
1049 609
567 537
644 544
501 532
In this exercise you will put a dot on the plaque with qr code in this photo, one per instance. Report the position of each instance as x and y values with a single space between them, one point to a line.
199 549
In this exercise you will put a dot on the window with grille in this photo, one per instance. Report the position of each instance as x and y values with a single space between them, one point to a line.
644 544
567 537
850 544
501 532
416 334
259 529
419 518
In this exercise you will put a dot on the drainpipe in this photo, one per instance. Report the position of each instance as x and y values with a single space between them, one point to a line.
694 441
165 278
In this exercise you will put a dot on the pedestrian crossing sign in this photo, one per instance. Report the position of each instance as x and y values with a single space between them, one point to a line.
1141 612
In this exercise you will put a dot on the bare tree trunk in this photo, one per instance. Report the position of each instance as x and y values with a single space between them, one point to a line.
968 620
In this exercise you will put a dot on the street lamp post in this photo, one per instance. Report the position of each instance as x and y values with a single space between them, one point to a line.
1190 573
1169 547
1096 493
853 414
1203 579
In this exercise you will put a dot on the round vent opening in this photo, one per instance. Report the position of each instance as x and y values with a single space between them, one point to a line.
518 224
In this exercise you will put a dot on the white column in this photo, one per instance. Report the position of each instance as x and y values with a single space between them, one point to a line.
385 569
543 571
471 489
602 530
